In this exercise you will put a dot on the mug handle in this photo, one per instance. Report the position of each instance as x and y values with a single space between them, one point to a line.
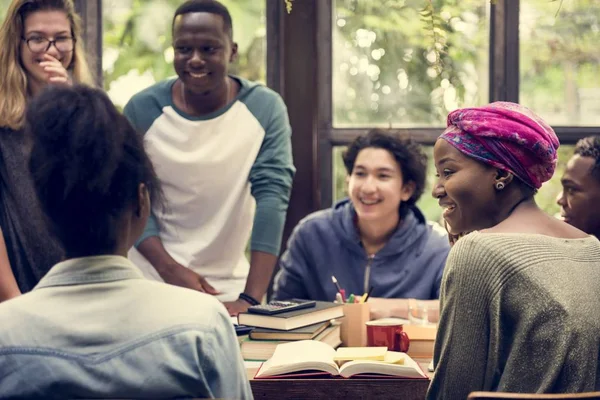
403 341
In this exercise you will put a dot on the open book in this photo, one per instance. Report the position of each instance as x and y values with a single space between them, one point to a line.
309 357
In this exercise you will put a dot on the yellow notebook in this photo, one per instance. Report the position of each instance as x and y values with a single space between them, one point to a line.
360 353
394 357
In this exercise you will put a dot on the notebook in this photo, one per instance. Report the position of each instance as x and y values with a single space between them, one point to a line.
323 311
311 358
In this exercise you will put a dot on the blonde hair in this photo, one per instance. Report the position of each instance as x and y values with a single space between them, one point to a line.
13 78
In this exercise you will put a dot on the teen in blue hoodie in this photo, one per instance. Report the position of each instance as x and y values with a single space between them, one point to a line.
376 238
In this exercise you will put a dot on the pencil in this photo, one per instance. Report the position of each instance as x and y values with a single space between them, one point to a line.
368 294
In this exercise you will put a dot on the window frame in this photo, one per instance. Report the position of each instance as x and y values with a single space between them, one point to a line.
299 68
504 86
90 13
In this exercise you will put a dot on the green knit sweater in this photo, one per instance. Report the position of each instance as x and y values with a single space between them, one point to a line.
520 313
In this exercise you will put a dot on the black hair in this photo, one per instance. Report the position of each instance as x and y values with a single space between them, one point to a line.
590 147
408 154
86 162
208 6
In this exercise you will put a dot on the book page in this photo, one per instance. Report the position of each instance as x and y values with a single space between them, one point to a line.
302 355
360 353
410 369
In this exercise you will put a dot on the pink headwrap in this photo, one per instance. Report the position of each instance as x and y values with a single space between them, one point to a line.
506 136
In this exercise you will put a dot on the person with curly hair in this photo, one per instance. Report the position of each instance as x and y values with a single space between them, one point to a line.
93 327
580 196
40 45
376 238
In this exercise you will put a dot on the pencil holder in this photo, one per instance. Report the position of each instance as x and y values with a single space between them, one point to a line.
354 330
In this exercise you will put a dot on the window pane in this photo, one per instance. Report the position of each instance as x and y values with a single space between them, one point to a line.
385 71
545 198
137 48
560 61
4 8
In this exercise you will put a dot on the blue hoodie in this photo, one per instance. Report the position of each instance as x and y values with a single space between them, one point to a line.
327 243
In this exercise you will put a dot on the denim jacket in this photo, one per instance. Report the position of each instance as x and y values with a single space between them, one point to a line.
94 327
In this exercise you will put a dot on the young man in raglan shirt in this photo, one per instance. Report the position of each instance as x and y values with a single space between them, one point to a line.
221 146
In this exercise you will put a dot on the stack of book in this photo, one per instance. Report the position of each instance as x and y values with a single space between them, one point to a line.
306 324
422 340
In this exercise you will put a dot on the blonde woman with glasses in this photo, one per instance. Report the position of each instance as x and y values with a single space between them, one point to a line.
40 44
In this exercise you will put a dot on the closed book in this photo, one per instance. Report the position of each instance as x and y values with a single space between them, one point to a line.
303 333
261 350
421 349
422 340
322 311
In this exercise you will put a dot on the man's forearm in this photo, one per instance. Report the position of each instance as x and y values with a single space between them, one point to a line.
383 308
154 251
261 270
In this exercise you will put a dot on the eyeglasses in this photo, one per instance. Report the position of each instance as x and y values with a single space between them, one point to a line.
41 44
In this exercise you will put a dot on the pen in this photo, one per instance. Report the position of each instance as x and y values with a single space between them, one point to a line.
338 298
351 298
368 294
340 290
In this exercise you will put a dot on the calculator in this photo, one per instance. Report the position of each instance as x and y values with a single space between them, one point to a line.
277 307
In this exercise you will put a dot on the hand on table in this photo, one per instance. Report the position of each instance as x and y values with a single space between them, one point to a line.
379 308
236 307
179 275
55 71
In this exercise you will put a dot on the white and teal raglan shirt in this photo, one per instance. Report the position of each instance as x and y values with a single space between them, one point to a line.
225 176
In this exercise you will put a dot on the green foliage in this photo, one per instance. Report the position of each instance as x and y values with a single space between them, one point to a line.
399 63
3 7
559 60
435 31
407 62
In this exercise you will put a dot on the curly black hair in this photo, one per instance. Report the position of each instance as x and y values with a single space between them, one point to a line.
408 154
590 147
87 163
208 6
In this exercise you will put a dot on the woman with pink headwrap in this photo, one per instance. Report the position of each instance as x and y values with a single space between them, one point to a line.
520 297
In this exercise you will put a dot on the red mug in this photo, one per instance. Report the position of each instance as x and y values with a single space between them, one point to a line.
387 333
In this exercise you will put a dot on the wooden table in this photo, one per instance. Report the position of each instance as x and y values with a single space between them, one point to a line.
351 389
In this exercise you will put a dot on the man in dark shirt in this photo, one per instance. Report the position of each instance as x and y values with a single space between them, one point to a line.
580 196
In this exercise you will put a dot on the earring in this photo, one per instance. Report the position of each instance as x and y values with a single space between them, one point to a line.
499 185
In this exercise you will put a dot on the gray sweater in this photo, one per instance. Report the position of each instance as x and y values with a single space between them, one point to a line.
520 313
